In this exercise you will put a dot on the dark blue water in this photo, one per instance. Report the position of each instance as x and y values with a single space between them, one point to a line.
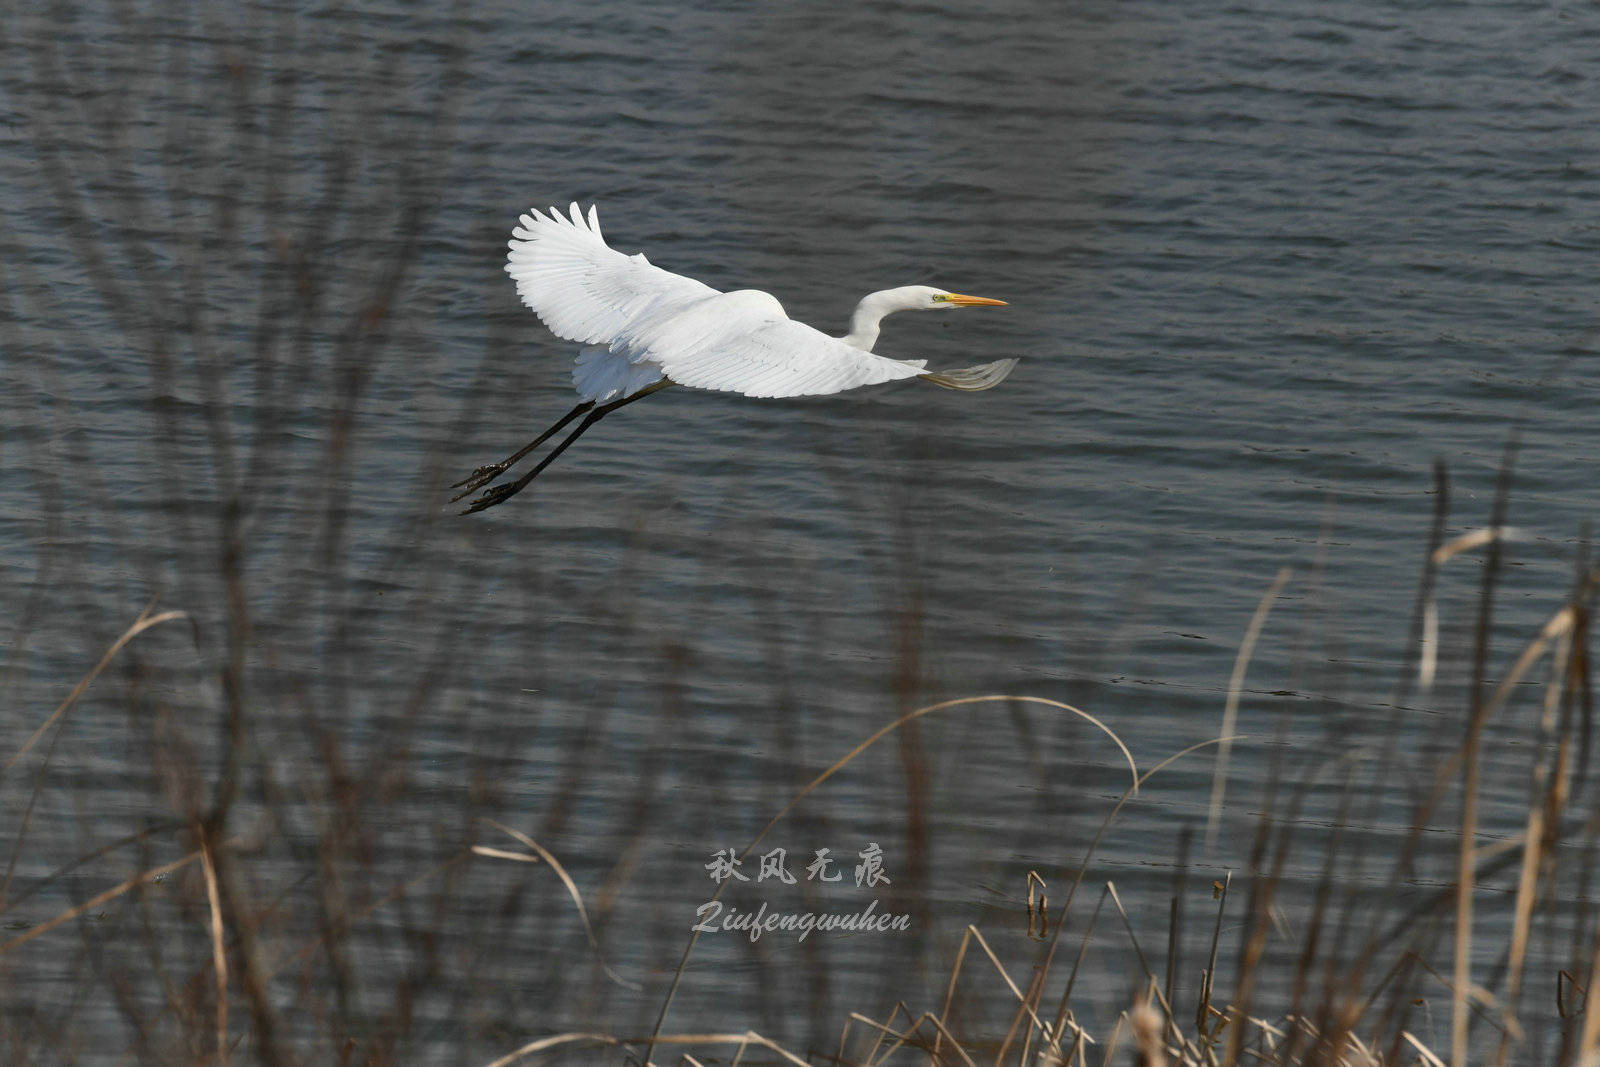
1265 263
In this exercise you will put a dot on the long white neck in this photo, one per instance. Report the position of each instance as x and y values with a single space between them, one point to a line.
864 320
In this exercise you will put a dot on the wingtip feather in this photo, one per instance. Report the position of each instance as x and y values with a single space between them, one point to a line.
972 379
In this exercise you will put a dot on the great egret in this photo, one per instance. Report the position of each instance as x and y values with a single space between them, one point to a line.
645 328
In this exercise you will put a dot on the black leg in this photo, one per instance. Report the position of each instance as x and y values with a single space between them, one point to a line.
484 475
500 493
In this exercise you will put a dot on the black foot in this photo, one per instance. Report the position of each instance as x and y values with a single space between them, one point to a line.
478 479
493 495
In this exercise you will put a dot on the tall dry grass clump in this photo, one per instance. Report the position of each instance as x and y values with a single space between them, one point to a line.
1386 966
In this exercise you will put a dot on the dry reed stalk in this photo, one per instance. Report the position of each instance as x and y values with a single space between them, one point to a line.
742 1041
1589 1042
1230 711
1550 790
1492 536
1426 1053
1477 717
571 887
219 953
98 899
144 622
1204 1011
906 1038
1114 1042
1133 938
883 1029
1064 1008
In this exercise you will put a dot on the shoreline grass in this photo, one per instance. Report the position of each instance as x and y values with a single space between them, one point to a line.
1343 983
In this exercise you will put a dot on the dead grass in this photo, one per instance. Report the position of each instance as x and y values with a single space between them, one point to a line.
1348 997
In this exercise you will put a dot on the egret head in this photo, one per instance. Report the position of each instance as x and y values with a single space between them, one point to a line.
930 298
874 306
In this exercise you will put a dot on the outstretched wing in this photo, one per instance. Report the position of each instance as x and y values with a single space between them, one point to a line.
580 287
742 342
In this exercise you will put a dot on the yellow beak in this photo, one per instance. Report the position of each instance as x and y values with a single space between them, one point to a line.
962 301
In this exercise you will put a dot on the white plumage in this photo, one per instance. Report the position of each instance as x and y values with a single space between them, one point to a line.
663 324
644 328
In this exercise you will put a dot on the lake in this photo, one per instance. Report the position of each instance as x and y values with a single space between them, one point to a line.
1266 265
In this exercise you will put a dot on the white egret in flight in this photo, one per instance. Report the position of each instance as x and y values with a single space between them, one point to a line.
645 328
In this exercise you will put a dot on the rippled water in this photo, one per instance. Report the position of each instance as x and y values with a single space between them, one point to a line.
1266 263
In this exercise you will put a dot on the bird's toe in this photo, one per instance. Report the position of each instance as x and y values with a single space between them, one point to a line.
477 479
491 496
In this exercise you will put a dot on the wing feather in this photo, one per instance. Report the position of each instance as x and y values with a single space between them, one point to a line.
580 287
